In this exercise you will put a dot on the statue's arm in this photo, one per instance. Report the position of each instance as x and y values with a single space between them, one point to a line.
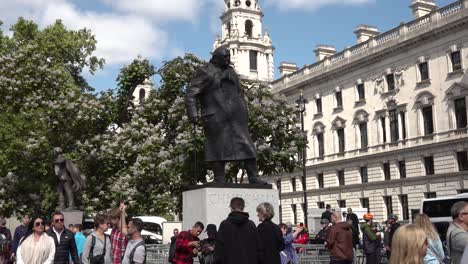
197 85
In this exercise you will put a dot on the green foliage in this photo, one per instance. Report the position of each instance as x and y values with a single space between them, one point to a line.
45 104
129 77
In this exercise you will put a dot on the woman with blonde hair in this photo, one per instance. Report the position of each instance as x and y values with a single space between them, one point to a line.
409 245
435 251
36 247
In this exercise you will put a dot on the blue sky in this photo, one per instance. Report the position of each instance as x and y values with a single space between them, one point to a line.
161 29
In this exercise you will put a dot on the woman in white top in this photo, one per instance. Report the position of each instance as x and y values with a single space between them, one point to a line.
36 247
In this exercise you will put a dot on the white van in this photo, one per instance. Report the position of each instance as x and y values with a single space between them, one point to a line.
438 210
152 229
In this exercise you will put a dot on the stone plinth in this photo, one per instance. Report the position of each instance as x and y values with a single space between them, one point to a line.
72 217
209 203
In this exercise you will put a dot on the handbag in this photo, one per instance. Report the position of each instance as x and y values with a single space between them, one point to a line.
99 259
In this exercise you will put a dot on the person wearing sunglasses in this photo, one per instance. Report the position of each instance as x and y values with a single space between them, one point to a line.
36 247
64 241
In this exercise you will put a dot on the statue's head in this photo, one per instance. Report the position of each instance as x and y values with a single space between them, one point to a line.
221 57
57 151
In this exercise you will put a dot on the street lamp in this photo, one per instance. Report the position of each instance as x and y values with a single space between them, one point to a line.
301 106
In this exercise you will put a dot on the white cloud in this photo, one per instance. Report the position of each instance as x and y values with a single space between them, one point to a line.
311 4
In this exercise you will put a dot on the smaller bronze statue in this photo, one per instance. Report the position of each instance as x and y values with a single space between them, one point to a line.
224 116
71 180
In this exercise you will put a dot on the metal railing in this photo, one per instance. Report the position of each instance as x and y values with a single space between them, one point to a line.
310 254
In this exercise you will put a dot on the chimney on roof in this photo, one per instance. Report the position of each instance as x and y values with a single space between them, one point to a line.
286 68
365 32
422 7
323 51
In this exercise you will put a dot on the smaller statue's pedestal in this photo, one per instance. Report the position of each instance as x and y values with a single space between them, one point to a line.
209 203
72 217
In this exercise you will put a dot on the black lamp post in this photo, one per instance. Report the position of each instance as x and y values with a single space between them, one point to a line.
301 105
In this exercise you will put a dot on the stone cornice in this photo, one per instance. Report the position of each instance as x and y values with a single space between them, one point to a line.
248 42
394 183
242 10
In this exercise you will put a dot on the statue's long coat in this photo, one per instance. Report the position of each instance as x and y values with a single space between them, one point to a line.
223 112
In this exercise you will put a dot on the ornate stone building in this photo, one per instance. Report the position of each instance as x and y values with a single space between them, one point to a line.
251 48
386 119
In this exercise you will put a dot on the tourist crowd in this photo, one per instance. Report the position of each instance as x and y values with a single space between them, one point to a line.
239 240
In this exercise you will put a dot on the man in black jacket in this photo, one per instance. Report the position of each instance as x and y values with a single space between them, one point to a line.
65 245
238 240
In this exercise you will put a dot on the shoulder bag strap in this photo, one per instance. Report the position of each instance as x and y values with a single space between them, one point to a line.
132 253
105 242
93 242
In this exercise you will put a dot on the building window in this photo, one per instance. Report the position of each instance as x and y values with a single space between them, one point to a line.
341 179
342 203
384 131
294 212
339 99
402 169
293 184
363 132
321 205
253 60
248 28
403 125
429 165
318 104
460 112
142 95
364 176
365 203
428 122
361 91
386 171
424 71
390 81
393 125
429 195
341 139
462 158
388 205
455 58
320 180
404 206
321 144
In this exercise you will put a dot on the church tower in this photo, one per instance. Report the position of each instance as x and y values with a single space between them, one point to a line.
251 48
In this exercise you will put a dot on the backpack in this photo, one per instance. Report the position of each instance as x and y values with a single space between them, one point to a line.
172 249
132 253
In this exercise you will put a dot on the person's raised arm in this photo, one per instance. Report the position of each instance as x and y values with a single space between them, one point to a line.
123 221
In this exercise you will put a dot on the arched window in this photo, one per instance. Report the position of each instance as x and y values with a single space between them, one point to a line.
318 132
424 105
253 60
361 119
248 28
338 125
142 94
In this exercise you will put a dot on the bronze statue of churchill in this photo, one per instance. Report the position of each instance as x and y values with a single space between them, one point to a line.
224 116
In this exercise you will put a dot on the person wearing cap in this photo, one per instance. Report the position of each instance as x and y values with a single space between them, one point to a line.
323 233
371 239
394 225
208 245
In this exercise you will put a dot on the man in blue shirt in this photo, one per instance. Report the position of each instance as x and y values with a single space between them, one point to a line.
80 239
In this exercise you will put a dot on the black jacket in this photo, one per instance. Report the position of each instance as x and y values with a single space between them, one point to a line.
66 247
327 215
224 113
273 242
238 241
